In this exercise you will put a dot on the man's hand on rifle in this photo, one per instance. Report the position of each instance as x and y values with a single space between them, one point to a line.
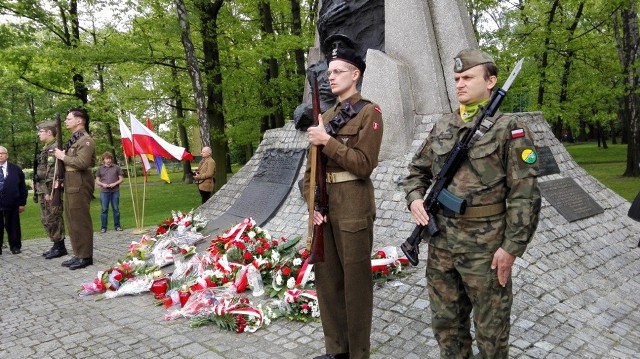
59 154
317 134
418 212
318 218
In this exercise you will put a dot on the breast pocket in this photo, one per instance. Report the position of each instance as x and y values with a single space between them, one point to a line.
441 149
348 135
485 160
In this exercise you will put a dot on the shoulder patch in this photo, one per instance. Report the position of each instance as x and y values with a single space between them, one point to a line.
377 108
529 156
517 133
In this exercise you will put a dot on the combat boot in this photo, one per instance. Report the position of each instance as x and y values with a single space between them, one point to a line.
58 250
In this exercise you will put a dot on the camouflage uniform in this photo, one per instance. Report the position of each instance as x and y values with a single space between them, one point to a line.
344 281
501 169
51 216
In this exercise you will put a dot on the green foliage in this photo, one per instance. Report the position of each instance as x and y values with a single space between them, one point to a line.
132 61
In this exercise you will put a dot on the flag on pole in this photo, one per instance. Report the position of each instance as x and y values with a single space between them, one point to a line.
160 167
131 148
151 143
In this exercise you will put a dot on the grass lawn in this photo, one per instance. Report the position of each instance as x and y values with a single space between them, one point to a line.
607 166
161 199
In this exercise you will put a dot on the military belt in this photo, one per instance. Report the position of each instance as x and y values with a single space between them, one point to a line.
477 211
337 177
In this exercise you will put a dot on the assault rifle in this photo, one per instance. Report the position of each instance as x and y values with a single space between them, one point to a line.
56 187
318 197
34 175
439 196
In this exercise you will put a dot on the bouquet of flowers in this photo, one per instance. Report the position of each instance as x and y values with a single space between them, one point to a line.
298 305
111 279
293 272
181 222
234 314
386 265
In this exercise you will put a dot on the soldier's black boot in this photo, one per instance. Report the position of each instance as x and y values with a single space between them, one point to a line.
58 250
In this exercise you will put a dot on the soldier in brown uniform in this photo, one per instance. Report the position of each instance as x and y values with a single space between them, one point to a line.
344 280
205 176
50 215
79 156
469 262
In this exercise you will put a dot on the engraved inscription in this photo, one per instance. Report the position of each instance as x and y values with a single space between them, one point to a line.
548 164
569 199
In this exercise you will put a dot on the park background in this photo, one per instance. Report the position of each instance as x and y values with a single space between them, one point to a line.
221 73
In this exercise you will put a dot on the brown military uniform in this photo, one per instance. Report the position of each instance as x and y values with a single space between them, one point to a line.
344 280
50 216
500 172
79 184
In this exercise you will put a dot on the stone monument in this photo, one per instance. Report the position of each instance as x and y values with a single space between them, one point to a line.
583 225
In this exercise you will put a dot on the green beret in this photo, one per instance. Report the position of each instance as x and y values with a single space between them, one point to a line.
469 58
46 124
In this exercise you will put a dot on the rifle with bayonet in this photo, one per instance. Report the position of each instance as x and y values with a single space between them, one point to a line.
439 196
318 198
58 179
34 175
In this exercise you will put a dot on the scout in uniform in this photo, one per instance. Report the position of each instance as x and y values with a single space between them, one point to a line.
469 262
351 146
50 215
79 157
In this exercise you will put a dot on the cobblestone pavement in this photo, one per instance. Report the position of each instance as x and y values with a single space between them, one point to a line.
558 313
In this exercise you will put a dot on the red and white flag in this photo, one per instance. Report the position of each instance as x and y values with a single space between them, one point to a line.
152 144
131 148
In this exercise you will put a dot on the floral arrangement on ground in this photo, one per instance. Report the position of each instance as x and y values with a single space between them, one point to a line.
215 286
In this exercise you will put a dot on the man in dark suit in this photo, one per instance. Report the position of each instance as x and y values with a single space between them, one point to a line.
13 198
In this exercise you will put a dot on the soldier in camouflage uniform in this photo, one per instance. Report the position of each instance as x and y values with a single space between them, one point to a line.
469 262
344 280
50 215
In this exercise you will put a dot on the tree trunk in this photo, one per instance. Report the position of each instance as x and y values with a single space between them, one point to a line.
628 42
544 62
296 29
187 175
275 119
194 71
566 69
209 11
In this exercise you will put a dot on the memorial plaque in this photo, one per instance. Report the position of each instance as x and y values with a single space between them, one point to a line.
547 164
569 199
266 191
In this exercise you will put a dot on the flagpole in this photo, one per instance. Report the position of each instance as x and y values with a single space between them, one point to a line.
126 161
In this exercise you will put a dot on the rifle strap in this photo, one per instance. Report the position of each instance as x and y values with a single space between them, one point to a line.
346 113
484 127
73 139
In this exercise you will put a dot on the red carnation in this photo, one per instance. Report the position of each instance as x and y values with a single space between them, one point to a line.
260 250
381 254
286 270
248 256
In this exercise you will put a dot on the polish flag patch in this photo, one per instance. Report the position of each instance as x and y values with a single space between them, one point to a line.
377 108
376 126
517 133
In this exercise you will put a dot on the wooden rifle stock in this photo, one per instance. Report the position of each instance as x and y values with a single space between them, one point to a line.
317 187
56 187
